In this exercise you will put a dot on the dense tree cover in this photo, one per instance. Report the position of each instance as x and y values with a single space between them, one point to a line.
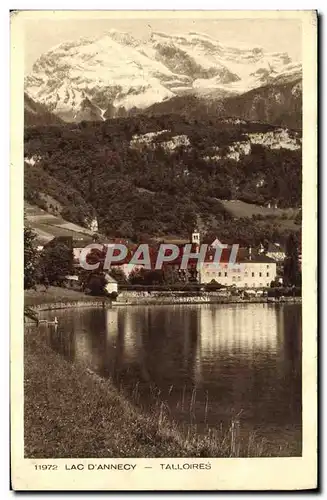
95 284
166 276
55 261
138 189
30 259
45 191
118 274
292 272
146 277
247 232
48 267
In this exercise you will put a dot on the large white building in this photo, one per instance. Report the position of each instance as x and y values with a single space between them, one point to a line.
249 270
253 272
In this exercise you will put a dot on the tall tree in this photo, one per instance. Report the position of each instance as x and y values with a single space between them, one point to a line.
143 276
292 273
118 274
56 262
30 259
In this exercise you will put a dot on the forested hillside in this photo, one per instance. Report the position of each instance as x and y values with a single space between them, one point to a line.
54 196
153 176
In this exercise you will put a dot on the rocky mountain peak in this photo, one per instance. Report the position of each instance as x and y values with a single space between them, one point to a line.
116 71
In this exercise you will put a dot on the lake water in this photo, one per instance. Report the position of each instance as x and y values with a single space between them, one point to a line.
206 363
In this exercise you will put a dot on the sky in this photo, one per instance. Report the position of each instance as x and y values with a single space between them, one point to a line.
273 35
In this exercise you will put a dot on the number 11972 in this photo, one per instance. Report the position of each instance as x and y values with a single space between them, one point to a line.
46 467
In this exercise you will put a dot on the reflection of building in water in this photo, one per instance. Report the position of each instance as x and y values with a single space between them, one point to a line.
111 319
132 334
238 328
235 330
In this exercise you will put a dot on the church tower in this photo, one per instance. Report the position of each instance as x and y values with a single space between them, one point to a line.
196 239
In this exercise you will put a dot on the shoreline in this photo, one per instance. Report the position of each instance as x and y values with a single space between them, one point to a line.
55 298
60 298
91 418
49 306
79 398
177 300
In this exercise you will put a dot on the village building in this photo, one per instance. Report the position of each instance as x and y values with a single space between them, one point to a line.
111 285
276 252
257 271
72 281
249 270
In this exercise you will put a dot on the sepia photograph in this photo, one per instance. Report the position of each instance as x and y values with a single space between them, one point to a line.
163 204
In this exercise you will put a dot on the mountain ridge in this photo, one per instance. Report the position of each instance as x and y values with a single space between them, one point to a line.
36 113
279 105
115 73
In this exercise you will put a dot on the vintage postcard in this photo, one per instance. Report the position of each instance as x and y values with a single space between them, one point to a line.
164 243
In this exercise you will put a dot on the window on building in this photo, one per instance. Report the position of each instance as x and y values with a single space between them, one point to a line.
239 278
267 266
267 275
268 284
225 275
245 284
219 274
260 274
252 275
234 278
261 284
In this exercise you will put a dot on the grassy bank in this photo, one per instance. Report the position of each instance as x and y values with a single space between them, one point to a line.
70 412
55 294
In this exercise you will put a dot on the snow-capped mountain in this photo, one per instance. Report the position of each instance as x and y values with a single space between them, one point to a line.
106 76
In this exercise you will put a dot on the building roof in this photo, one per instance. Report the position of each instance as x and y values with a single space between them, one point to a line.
275 248
258 259
175 241
243 256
